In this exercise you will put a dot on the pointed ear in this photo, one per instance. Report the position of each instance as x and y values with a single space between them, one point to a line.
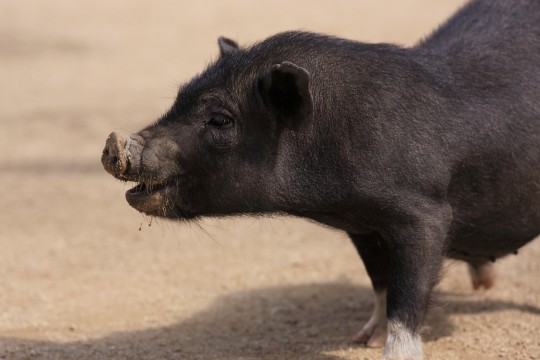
227 46
285 89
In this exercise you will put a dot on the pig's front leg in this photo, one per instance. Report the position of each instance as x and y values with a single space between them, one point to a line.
403 266
417 246
374 252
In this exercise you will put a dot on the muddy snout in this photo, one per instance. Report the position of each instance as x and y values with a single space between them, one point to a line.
122 156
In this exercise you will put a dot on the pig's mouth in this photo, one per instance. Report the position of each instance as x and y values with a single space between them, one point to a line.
142 188
150 197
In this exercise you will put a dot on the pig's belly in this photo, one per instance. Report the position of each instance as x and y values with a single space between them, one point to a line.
494 192
482 242
490 223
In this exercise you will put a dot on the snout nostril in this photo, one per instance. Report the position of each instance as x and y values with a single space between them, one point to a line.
119 154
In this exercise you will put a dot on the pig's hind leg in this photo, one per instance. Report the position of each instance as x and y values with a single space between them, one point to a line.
482 275
374 252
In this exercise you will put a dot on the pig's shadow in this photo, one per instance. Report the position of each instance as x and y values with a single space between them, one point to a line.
300 322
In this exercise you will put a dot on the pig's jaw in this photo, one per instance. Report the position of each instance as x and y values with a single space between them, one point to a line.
151 199
161 199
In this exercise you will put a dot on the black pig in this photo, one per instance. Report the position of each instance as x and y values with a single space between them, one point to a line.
417 153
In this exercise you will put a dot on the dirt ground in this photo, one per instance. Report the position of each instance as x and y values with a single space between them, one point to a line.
80 280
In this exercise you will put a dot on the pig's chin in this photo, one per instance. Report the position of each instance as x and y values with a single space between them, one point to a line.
151 199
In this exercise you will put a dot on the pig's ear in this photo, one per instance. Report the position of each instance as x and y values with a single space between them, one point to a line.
227 46
285 88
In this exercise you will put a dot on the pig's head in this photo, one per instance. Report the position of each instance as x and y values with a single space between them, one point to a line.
215 151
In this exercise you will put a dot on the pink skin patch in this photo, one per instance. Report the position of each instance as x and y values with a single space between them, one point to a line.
482 276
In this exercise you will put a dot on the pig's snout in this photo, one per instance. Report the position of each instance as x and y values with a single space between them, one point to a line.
122 156
114 158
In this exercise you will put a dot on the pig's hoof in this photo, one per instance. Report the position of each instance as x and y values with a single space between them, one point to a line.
402 344
372 338
482 275
373 334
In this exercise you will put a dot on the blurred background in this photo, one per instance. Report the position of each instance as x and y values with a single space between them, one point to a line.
84 276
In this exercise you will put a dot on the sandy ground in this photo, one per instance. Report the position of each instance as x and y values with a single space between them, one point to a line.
80 280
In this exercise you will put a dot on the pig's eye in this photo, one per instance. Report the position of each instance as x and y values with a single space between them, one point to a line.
220 121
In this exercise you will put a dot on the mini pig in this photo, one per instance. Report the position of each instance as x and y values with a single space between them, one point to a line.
417 153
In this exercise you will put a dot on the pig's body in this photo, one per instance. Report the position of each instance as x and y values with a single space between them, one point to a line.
417 153
490 55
